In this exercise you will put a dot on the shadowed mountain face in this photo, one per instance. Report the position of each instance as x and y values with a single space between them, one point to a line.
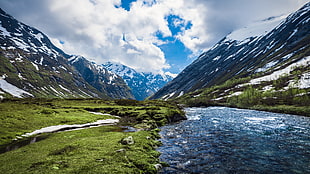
31 66
264 47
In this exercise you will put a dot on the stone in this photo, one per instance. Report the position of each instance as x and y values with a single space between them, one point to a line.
158 166
120 150
128 141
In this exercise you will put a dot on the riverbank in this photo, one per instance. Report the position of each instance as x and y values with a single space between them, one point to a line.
285 109
302 109
282 109
239 93
95 150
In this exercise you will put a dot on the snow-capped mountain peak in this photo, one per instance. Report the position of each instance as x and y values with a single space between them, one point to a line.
120 69
170 74
21 36
142 84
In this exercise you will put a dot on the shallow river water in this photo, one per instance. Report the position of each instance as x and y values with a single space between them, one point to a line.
229 140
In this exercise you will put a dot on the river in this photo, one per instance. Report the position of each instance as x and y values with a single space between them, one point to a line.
228 140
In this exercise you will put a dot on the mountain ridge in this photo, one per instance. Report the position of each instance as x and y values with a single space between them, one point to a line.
229 58
32 66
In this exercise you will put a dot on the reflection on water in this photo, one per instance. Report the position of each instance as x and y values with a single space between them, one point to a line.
228 140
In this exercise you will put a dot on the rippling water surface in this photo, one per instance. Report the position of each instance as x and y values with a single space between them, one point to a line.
228 140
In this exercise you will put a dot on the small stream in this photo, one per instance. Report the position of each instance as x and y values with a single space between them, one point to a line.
228 140
23 142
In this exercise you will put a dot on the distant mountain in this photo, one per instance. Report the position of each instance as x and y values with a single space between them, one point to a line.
31 66
100 78
142 84
263 51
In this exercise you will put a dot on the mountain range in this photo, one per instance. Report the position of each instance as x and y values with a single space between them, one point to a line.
31 66
269 57
142 84
272 55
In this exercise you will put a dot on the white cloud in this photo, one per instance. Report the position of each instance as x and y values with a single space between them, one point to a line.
101 27
99 31
213 19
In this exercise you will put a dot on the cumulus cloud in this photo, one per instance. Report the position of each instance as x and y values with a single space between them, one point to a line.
103 31
214 19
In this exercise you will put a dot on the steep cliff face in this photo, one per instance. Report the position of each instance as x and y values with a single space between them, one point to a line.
31 66
264 47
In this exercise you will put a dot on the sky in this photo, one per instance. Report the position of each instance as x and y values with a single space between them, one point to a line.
147 35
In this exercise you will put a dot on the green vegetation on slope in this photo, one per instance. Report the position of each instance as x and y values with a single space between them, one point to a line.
93 150
275 96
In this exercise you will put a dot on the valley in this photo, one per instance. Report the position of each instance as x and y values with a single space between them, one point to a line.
71 113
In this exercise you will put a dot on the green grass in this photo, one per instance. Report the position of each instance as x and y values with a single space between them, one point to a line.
298 110
17 118
93 150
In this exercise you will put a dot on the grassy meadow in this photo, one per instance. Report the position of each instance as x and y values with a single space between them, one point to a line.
92 150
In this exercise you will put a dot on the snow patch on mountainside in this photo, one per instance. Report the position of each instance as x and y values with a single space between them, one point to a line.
256 29
304 81
74 59
35 66
11 89
267 66
277 74
168 96
64 88
4 32
38 36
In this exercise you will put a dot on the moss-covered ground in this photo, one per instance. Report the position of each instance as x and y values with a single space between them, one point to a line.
92 150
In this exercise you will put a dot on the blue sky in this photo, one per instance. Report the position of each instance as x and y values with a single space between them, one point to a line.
126 4
148 35
176 53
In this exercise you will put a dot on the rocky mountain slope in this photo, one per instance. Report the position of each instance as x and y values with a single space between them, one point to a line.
31 66
100 78
261 54
142 84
